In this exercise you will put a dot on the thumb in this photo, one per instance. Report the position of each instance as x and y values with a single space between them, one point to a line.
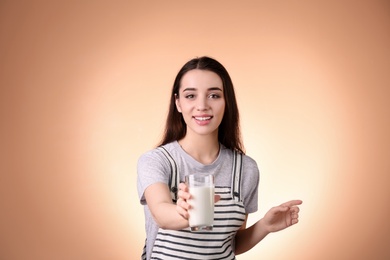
216 198
283 208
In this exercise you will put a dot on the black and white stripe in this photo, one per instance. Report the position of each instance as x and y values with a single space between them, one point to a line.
229 215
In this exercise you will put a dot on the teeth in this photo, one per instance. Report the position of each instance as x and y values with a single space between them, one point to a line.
203 118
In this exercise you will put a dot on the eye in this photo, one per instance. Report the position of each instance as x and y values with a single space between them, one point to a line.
190 96
214 96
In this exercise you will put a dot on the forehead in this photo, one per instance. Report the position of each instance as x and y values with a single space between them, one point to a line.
201 79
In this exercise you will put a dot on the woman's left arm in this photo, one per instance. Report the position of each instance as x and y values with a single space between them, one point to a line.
276 219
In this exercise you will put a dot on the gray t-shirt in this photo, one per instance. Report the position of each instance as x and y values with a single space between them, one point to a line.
153 167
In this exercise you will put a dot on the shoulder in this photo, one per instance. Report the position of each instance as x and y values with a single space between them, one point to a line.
249 161
155 157
250 175
153 166
250 170
153 154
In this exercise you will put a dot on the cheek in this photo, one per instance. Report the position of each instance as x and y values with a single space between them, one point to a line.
222 109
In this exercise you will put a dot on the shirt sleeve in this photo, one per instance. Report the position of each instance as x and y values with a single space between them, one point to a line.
152 168
250 186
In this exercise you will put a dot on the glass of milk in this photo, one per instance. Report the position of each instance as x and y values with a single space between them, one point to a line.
201 188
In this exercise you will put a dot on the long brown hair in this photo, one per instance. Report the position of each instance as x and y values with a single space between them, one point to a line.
229 130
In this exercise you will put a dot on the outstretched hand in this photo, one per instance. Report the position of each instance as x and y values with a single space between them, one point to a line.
182 205
282 216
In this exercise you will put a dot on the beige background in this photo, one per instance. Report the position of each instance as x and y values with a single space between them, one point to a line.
84 92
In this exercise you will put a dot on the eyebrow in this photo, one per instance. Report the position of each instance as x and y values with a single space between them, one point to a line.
194 89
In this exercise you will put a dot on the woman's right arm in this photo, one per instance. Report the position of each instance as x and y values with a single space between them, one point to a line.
166 214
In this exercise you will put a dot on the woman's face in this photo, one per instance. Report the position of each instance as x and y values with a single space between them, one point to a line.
201 101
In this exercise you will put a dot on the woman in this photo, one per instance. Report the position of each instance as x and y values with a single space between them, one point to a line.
202 136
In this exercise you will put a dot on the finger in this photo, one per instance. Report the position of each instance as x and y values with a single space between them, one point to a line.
294 215
294 221
283 208
216 198
182 212
183 187
184 195
183 204
292 203
278 210
294 209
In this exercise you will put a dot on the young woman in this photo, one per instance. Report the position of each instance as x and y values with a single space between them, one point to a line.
202 136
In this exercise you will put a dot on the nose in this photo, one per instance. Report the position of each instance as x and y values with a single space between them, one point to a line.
202 104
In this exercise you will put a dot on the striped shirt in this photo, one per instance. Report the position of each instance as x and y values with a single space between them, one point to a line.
229 216
238 197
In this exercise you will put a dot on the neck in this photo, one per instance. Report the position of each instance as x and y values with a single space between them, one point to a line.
204 149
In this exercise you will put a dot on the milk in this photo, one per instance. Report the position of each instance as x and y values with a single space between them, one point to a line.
202 208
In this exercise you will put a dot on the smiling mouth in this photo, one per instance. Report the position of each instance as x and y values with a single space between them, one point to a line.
203 118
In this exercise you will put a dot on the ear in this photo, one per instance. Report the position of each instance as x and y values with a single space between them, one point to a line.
177 103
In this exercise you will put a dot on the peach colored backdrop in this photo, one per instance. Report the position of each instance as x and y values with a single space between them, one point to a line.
84 91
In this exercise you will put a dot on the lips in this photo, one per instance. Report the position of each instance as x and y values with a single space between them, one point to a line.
203 118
